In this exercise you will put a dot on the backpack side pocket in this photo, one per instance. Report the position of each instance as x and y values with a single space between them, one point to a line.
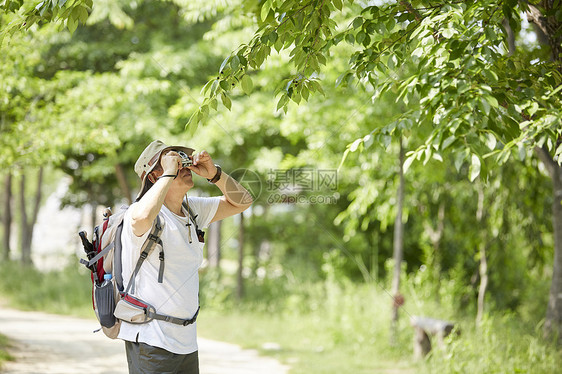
104 298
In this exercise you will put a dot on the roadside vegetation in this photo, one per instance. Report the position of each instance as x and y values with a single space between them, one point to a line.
331 326
5 345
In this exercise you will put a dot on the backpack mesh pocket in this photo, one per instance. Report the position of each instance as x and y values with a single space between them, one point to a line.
105 303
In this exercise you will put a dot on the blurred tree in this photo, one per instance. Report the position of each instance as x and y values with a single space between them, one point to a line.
7 216
27 222
466 86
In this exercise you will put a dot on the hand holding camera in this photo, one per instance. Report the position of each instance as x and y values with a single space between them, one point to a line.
203 165
171 162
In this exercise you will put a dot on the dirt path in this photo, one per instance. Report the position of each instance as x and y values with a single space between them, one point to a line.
51 344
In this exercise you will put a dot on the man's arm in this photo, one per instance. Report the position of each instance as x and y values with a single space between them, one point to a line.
235 198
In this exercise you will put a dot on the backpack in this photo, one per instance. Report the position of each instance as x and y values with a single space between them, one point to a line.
111 302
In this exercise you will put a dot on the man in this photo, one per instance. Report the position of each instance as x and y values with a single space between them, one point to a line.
160 346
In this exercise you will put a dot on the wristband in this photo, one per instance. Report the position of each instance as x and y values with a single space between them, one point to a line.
217 176
168 175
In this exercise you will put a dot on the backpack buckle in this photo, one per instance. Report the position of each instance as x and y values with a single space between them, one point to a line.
154 238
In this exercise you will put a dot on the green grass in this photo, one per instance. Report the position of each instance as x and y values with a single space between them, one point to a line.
303 342
61 292
4 346
334 327
500 345
323 327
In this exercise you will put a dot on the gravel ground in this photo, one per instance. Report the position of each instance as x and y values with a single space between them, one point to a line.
52 344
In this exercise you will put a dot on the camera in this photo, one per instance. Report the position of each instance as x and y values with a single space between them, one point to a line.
185 159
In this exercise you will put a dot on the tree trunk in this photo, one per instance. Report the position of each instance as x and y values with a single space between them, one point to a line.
553 322
213 248
239 277
483 268
398 247
122 180
547 32
27 225
435 236
7 216
25 248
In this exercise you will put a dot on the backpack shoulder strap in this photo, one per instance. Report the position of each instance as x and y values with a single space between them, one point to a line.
148 246
193 218
117 260
192 215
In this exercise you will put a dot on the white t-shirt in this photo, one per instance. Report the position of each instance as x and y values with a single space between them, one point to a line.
178 294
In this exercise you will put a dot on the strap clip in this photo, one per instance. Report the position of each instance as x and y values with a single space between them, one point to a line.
154 238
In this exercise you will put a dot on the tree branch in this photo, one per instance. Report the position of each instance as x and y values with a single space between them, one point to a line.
535 16
547 160
411 9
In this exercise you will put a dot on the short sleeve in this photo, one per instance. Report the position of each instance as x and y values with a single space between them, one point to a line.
205 208
137 241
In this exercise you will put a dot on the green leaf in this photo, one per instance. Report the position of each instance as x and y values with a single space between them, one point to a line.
296 97
247 84
279 44
357 22
447 33
408 162
360 36
226 101
485 106
390 24
492 101
273 37
490 33
282 101
338 4
557 89
305 92
83 15
193 120
235 63
214 86
213 103
353 147
265 10
224 85
225 61
72 24
533 108
345 153
474 168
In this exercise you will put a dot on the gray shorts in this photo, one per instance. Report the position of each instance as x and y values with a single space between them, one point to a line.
146 359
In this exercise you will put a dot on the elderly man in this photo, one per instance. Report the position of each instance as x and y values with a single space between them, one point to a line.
169 346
